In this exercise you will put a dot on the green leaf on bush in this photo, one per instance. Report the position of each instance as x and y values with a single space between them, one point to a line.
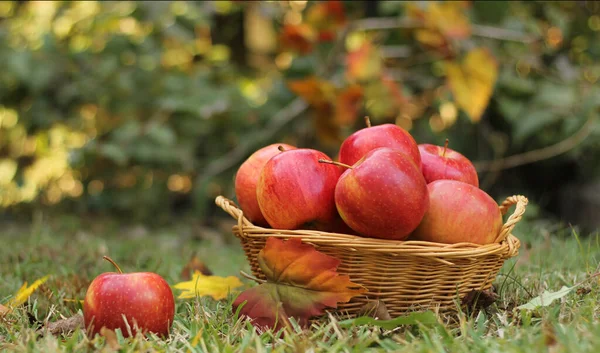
425 318
546 298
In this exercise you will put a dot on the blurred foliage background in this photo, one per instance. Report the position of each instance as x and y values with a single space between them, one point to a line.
144 110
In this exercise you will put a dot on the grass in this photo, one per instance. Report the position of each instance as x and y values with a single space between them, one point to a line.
71 252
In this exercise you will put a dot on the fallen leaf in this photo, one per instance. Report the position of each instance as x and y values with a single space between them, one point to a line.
546 298
375 309
301 283
25 292
472 81
65 326
299 38
111 338
365 63
202 285
583 290
193 265
424 318
3 310
326 18
479 300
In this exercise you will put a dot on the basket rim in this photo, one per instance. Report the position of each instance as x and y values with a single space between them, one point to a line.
506 243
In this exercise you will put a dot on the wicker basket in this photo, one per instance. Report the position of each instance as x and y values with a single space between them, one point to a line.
405 275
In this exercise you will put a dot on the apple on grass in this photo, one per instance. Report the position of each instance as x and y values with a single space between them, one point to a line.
246 179
295 191
383 195
459 212
440 162
133 302
355 146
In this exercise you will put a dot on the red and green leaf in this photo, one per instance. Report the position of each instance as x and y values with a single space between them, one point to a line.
301 283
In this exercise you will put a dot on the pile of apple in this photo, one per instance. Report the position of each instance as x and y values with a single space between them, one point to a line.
383 186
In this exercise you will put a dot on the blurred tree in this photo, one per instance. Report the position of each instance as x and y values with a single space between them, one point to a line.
145 109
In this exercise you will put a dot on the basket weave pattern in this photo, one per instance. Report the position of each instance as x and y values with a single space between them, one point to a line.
405 275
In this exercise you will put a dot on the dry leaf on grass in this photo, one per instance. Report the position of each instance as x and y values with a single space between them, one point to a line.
111 338
214 286
479 300
65 326
194 265
22 295
375 309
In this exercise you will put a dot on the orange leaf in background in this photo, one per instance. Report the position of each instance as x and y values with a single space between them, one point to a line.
326 18
364 63
441 21
316 92
472 81
347 105
299 38
301 283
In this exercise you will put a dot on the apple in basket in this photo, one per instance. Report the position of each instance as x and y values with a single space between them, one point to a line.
295 191
246 179
440 162
459 212
383 195
355 146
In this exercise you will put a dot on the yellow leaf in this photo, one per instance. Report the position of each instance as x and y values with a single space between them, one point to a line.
214 286
472 81
25 292
441 21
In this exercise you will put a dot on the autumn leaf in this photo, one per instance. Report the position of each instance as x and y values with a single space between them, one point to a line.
298 38
326 18
441 22
194 265
472 81
25 292
301 283
202 285
3 310
385 97
364 63
316 92
347 105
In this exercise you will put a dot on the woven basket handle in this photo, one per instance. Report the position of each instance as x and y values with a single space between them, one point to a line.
521 203
230 207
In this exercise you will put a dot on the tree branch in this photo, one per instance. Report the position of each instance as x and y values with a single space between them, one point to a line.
542 153
279 120
283 117
383 23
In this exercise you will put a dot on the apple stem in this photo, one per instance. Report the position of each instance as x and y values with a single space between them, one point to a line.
339 164
281 148
112 262
445 148
367 121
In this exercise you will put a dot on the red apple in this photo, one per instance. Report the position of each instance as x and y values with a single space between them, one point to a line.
383 195
440 162
295 191
143 298
364 140
246 179
459 212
